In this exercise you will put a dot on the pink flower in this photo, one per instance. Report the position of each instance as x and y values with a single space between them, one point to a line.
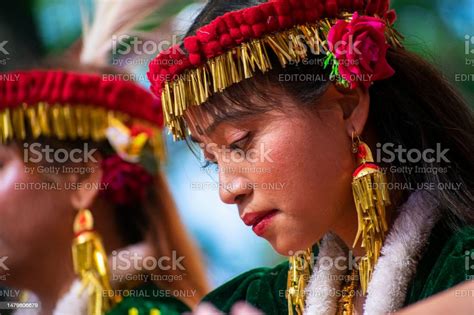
126 182
360 48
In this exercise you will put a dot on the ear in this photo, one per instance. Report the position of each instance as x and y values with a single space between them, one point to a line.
87 185
357 112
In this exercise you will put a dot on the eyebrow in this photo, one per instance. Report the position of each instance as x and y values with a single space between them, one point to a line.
211 128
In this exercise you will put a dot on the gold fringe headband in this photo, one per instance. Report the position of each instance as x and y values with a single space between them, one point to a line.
22 118
188 82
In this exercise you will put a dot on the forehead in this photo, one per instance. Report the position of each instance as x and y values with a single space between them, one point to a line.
198 121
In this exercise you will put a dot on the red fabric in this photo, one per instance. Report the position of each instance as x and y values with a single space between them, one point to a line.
61 87
299 16
233 28
357 5
126 182
377 7
363 166
253 16
361 152
226 41
331 8
259 30
192 44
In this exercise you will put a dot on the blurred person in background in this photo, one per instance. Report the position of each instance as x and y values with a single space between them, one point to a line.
287 99
80 168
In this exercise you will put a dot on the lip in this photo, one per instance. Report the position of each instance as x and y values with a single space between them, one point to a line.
259 220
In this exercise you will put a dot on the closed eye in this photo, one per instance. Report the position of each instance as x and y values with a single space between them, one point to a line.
241 143
209 165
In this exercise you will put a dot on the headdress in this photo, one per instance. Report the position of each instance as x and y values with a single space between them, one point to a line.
353 34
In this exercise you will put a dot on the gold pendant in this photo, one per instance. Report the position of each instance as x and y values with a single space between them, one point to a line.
346 302
301 266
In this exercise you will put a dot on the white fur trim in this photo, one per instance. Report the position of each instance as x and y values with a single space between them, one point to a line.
395 268
326 278
400 254
74 302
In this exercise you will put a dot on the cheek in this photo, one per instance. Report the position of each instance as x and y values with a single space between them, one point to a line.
312 161
311 157
37 212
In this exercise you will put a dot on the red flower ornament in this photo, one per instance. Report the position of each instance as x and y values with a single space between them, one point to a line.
358 51
125 182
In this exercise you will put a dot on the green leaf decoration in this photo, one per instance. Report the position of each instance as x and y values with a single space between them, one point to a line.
330 59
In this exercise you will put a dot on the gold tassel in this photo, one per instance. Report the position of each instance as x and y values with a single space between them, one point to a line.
218 73
18 122
346 301
6 127
300 268
68 122
90 264
369 187
195 86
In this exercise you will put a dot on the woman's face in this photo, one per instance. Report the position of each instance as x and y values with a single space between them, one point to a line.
292 178
35 216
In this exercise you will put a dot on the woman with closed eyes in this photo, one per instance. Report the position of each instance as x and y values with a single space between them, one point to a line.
347 153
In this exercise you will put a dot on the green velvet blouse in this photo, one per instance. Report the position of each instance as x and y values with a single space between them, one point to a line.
446 262
147 298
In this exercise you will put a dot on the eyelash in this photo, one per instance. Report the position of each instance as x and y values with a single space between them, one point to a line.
239 144
208 164
233 146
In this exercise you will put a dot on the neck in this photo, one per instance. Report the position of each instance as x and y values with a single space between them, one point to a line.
51 277
347 229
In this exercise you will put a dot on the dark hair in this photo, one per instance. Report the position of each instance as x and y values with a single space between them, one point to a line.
416 108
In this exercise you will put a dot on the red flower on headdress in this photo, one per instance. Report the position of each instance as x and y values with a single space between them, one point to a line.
360 49
126 183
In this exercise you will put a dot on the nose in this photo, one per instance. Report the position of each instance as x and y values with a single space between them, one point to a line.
233 187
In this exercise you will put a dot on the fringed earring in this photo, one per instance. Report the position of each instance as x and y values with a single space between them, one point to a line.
90 263
369 187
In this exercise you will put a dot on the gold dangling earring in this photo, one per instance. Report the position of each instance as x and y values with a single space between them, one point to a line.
369 187
90 263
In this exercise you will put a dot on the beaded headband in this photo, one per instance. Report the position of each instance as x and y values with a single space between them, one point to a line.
69 106
354 35
77 106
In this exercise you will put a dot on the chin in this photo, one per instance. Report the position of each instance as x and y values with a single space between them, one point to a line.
288 247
